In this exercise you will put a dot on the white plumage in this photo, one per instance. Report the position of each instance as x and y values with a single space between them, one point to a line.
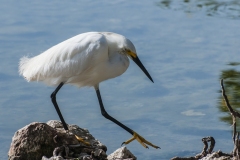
83 60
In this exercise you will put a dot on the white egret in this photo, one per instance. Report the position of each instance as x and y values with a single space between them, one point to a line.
84 60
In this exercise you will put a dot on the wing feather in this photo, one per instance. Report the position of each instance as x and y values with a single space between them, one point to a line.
70 58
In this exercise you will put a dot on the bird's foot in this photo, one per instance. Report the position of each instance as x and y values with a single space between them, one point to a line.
82 140
141 140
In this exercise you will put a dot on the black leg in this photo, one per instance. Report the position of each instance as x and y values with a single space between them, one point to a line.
53 97
106 115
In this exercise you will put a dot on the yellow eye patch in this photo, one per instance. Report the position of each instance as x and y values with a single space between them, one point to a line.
132 54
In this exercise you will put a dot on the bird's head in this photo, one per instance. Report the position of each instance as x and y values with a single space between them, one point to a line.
130 50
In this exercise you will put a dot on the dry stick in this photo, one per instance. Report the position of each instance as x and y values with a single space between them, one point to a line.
205 147
234 128
212 144
235 151
237 145
205 141
233 113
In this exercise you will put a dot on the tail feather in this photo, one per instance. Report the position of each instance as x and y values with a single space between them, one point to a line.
26 69
32 69
22 66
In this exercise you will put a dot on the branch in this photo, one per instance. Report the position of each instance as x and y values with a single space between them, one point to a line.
234 113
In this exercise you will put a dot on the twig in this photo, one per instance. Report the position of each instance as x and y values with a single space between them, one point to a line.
205 147
233 113
212 144
234 128
236 145
226 99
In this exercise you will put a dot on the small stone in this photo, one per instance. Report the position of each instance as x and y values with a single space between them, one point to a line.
121 154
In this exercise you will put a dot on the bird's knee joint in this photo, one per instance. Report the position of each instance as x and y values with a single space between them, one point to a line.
105 114
52 96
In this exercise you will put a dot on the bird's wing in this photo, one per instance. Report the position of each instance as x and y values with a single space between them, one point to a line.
66 59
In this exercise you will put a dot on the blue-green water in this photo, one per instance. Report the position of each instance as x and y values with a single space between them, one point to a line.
183 47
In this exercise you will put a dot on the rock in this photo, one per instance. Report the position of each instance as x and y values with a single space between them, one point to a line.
121 154
76 130
40 140
49 141
218 155
31 141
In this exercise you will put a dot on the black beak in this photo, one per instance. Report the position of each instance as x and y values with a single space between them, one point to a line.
139 63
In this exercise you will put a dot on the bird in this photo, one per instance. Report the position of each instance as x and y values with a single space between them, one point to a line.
84 60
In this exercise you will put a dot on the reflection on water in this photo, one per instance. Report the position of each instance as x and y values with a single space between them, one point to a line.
222 8
232 86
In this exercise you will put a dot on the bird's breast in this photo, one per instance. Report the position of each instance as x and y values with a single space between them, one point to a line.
117 65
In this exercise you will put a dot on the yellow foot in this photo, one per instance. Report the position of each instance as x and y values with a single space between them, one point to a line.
82 140
141 140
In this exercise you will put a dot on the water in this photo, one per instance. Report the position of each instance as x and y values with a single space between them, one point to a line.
184 48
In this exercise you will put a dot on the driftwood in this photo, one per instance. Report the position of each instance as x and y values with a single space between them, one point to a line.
205 151
208 154
234 115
